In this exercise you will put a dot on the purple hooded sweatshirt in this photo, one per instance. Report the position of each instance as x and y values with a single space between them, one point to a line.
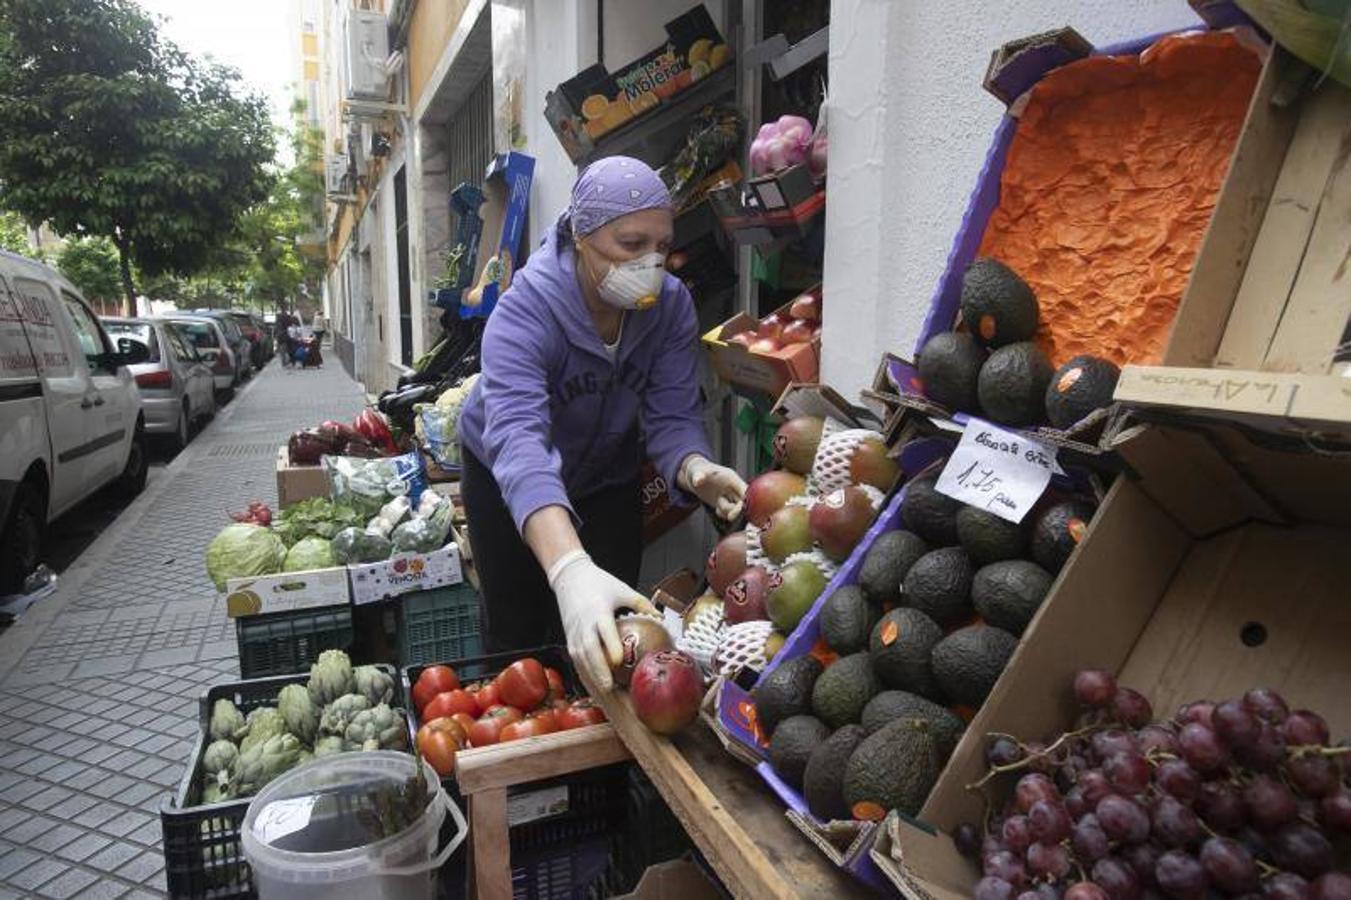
553 417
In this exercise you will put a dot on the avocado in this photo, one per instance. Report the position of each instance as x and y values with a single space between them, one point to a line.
939 585
846 619
988 538
823 782
1008 593
1058 531
969 661
786 691
895 767
886 562
792 745
1013 384
901 645
949 367
997 306
889 706
844 689
929 514
1083 384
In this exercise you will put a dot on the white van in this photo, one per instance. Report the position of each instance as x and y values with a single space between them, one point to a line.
70 413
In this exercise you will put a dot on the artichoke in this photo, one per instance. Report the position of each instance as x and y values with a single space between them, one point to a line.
264 722
227 722
331 677
375 685
215 792
220 756
298 711
338 714
328 745
264 761
377 728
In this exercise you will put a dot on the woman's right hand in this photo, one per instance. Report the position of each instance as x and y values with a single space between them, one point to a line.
588 598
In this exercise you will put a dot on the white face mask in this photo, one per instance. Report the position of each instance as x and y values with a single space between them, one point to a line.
635 284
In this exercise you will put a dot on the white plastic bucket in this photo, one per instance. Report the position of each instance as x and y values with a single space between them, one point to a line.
291 822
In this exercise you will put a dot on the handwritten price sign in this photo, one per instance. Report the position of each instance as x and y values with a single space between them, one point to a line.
997 471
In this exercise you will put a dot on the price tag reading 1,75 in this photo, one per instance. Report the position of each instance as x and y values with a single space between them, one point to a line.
997 470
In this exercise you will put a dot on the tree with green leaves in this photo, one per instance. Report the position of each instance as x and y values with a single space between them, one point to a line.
14 234
92 265
111 130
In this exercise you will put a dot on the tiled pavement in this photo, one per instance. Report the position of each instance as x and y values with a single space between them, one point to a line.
99 683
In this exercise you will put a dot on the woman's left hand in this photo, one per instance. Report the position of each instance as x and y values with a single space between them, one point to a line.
718 486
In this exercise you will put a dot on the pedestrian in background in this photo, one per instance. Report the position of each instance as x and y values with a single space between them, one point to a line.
319 325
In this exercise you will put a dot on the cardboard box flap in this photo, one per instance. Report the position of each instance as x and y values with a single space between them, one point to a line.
824 401
1019 64
922 864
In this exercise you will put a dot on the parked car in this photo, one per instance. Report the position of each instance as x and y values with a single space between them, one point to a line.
207 336
239 343
265 334
258 354
177 387
70 412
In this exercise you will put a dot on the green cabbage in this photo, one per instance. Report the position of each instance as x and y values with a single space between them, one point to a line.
243 551
310 553
354 546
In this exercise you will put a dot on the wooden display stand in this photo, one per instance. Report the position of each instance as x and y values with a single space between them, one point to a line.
736 822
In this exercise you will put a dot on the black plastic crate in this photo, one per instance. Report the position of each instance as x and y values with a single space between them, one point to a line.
202 851
651 832
289 642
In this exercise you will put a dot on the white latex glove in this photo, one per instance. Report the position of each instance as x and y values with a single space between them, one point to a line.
718 486
588 598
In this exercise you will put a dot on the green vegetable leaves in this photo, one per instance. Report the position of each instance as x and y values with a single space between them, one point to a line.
315 517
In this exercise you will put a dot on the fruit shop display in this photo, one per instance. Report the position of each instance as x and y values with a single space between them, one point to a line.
524 700
803 519
866 722
1242 797
340 708
993 366
799 324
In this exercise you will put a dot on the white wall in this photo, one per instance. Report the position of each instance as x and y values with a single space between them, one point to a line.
909 128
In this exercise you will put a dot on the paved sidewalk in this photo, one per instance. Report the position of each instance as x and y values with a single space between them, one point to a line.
99 683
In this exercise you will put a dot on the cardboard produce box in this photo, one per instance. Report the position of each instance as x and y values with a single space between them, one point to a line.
296 483
286 591
403 573
1015 71
1264 330
760 373
506 201
1218 568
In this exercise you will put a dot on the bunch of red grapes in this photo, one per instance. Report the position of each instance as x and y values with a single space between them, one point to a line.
1244 798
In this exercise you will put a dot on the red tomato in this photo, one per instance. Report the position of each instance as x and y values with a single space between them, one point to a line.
548 720
433 680
438 741
523 684
450 703
581 713
555 679
486 696
558 704
488 729
531 727
465 720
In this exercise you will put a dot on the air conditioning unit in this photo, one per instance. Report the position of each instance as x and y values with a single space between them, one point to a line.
365 49
337 172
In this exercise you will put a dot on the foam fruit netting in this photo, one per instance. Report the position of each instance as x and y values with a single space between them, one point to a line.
1109 185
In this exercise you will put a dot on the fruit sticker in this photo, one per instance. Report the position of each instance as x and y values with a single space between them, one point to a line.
1066 381
867 811
736 592
988 329
630 649
890 631
1076 528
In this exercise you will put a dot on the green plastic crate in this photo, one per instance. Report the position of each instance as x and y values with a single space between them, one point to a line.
283 643
438 625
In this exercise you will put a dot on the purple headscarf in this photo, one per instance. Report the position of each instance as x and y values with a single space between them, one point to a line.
612 187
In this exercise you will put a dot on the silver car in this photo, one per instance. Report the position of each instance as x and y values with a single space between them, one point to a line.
177 389
208 337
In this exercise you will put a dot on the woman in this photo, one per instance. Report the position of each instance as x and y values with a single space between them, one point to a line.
319 326
593 344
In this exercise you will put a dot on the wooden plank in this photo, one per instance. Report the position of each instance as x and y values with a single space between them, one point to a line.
534 759
490 843
721 804
1274 263
1320 303
1239 209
